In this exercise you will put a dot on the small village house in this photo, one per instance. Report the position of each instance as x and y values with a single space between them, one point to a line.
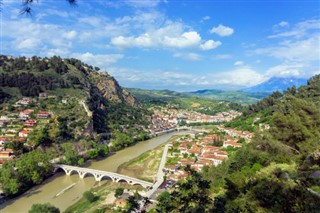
122 200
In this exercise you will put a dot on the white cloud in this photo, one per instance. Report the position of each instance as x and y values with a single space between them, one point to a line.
205 18
141 41
301 50
238 63
232 79
91 20
28 44
222 56
240 77
292 69
188 56
285 70
58 51
222 30
158 38
99 60
210 44
70 35
33 37
187 39
143 3
300 29
280 25
283 24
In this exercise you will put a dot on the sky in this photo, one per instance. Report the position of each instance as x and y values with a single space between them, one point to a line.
172 44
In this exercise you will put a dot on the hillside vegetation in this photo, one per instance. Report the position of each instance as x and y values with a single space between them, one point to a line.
240 97
279 171
176 100
86 108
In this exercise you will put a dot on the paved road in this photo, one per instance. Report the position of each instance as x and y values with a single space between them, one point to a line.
160 173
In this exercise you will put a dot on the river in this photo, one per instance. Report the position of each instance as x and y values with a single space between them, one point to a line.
52 190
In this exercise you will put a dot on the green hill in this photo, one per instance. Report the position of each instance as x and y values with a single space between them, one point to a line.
54 107
241 97
183 101
277 172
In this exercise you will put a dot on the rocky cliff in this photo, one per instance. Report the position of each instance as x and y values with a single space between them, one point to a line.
112 91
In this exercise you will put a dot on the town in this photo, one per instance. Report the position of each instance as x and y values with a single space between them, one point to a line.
165 118
29 116
17 126
203 149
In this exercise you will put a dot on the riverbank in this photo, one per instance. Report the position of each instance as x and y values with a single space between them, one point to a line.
105 198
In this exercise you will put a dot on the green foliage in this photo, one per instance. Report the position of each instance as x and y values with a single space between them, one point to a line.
89 196
164 202
279 170
71 156
121 140
30 169
132 204
44 208
118 192
190 196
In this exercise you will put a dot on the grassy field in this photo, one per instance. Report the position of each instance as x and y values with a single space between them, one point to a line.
105 198
146 165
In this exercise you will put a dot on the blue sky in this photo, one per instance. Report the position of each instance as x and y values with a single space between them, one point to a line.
177 45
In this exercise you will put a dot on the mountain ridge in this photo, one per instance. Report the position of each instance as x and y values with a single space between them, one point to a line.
276 84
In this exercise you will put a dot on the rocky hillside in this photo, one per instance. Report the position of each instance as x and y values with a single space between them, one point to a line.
111 105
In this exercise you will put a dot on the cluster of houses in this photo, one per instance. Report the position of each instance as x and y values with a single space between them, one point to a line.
197 150
236 133
165 119
17 126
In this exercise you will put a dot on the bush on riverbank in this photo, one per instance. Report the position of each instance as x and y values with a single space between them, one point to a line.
44 208
89 196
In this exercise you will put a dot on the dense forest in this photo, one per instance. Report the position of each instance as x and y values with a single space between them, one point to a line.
279 171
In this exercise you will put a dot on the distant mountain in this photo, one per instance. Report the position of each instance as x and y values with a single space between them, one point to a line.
240 97
274 84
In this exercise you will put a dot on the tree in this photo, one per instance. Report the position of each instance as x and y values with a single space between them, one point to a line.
191 195
71 156
132 204
118 192
27 5
164 204
44 208
89 196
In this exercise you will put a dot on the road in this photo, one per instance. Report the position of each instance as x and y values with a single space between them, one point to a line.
160 173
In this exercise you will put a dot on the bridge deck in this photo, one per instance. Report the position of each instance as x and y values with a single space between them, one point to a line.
98 174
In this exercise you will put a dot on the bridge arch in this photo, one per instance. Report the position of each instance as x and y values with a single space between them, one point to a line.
87 174
122 180
71 172
106 177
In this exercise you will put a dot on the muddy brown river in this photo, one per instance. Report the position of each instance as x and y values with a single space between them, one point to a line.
62 190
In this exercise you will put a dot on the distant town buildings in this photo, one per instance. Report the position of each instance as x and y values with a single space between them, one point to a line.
197 150
165 119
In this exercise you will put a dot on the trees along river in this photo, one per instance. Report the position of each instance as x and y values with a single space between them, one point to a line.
53 190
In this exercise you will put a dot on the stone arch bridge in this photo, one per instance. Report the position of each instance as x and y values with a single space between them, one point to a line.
99 175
